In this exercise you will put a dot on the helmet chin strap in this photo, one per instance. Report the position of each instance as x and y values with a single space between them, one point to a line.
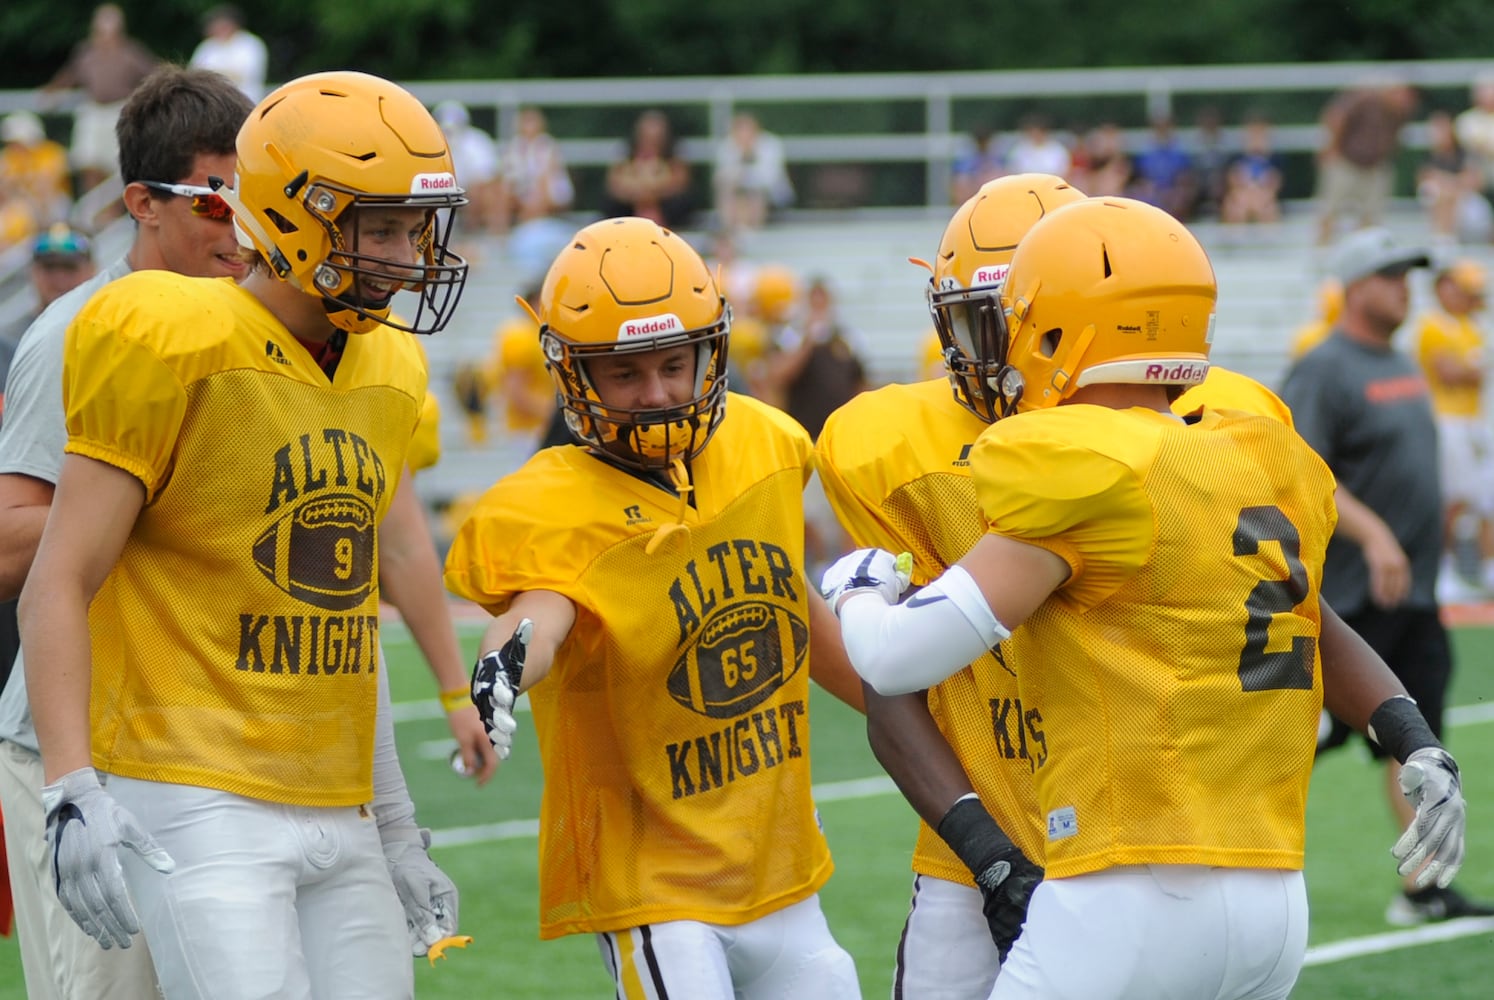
679 475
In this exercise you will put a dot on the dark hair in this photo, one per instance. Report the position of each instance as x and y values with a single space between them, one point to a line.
174 116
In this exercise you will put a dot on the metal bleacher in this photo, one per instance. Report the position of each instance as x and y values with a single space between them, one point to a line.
1267 276
1268 281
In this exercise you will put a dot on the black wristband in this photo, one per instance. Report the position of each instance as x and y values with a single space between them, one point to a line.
973 835
1400 729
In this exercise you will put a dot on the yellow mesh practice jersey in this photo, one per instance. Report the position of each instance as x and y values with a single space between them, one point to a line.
235 642
1456 337
673 725
1175 672
1223 389
895 463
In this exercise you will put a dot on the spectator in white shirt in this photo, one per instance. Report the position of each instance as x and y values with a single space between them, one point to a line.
229 48
751 175
1036 151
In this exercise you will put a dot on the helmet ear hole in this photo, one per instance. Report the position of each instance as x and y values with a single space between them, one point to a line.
1048 343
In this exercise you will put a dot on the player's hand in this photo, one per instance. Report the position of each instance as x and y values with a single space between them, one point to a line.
870 570
1430 782
477 756
495 686
1006 887
85 829
427 894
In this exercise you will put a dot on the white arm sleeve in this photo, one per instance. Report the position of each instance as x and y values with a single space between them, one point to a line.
392 808
915 645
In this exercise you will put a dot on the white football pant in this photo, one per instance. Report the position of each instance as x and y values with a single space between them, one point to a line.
786 955
946 951
1161 932
267 900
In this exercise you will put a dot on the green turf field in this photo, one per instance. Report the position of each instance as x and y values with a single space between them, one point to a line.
486 841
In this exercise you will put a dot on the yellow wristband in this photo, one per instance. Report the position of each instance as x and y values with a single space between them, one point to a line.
456 698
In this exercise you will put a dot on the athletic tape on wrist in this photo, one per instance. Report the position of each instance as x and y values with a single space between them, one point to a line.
1400 728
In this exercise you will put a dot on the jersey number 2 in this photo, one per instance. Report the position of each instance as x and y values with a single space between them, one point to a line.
1289 668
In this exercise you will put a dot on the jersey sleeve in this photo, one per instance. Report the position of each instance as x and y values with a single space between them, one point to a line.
425 446
517 538
124 403
855 491
1069 494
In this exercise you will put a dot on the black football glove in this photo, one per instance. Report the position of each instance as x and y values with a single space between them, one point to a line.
1006 886
495 687
1002 872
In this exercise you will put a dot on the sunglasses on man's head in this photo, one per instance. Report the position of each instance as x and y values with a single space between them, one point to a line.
206 202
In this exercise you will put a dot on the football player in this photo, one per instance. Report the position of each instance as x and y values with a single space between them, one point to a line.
648 593
232 449
178 126
1068 359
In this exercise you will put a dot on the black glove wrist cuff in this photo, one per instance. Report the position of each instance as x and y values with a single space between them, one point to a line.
973 835
1400 728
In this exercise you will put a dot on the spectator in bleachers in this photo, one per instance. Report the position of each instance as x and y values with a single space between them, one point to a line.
1447 185
751 175
1475 129
61 260
533 178
107 66
978 161
17 219
1038 151
1107 166
474 155
34 167
229 48
1356 164
652 180
816 360
1164 173
1212 155
1252 184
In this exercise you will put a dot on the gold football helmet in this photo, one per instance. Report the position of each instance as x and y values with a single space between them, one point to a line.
1106 290
314 153
964 292
630 286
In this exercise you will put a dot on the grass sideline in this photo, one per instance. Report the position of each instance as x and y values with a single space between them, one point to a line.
1353 953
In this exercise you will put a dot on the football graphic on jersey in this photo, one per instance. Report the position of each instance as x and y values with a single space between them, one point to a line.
745 651
321 551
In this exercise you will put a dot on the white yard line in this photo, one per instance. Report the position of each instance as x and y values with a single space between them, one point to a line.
1379 944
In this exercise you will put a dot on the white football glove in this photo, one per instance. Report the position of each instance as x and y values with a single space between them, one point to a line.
495 686
1430 782
86 828
871 570
427 894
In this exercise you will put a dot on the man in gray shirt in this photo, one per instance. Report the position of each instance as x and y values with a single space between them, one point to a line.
179 127
1365 408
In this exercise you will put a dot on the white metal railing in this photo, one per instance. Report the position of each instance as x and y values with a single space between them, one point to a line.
1152 88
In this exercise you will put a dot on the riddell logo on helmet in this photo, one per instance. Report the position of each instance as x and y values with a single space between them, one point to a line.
1185 372
432 183
650 326
992 275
